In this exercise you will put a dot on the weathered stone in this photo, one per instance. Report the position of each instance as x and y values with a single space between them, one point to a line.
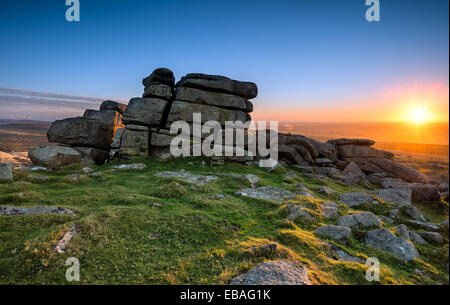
64 240
344 256
135 166
10 211
134 143
54 156
386 219
160 75
106 116
297 211
420 191
144 111
344 141
274 273
414 213
304 152
399 170
81 132
424 225
264 249
325 190
93 154
402 230
416 238
325 150
117 138
360 151
218 83
158 91
290 139
399 197
353 174
183 111
290 154
432 237
357 198
327 170
111 105
323 162
359 220
266 192
335 232
6 174
329 209
184 175
383 239
376 178
222 100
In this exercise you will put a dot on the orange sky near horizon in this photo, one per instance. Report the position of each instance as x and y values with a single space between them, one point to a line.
410 103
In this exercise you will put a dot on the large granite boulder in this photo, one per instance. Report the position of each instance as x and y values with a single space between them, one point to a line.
420 191
106 116
340 233
325 150
401 197
145 111
385 240
81 132
134 142
349 152
353 174
359 220
218 83
157 90
54 156
395 169
274 273
354 199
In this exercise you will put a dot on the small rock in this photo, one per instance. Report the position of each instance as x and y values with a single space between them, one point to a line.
266 192
344 256
424 225
386 219
290 175
357 198
137 166
217 197
6 174
269 248
399 197
335 232
62 243
274 273
192 178
327 190
353 174
329 209
394 213
414 213
444 224
87 170
297 211
359 220
403 231
416 238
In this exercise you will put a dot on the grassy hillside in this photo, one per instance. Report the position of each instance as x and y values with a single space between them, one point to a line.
136 228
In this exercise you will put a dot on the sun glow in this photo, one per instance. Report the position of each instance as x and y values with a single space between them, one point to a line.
418 115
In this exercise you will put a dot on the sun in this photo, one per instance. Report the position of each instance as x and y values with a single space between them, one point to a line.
418 115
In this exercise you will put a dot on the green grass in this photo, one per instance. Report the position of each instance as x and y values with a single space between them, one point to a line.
136 228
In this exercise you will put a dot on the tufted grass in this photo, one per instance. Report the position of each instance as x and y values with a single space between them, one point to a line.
136 228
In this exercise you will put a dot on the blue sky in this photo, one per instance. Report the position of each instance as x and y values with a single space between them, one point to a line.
300 53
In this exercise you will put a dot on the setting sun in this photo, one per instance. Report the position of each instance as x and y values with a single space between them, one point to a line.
418 115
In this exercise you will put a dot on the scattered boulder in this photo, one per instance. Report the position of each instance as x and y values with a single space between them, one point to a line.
266 192
386 219
416 238
354 199
383 239
414 213
144 111
424 225
6 174
264 249
274 273
329 209
376 178
325 190
217 197
432 237
192 178
353 174
54 156
399 197
10 210
360 220
340 233
296 211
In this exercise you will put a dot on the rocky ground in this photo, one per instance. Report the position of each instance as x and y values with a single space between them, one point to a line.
190 222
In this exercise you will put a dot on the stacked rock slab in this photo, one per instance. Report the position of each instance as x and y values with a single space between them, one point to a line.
214 98
145 114
92 134
371 160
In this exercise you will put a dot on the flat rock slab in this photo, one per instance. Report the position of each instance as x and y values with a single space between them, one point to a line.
345 257
399 197
360 220
266 192
274 273
335 232
192 178
357 198
385 240
10 211
137 166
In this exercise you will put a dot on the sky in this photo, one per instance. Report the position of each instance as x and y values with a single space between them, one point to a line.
313 61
